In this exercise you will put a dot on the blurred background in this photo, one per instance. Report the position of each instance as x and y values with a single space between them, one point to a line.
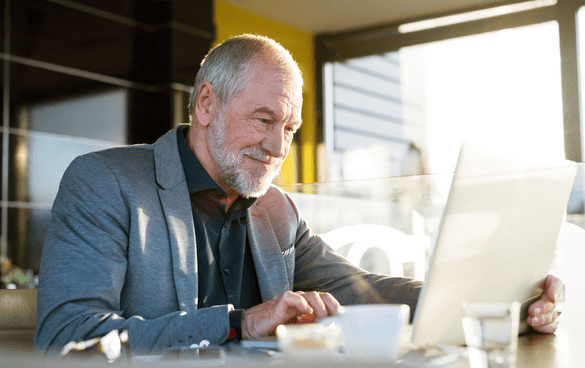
392 88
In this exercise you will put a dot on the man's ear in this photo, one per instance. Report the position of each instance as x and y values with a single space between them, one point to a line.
205 104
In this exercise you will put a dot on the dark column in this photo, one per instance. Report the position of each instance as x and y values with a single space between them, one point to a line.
170 41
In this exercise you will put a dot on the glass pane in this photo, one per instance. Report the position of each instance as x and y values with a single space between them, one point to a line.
52 102
117 7
407 112
99 116
411 206
38 162
62 35
384 201
2 27
27 228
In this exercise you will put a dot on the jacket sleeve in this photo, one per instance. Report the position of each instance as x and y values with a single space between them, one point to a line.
319 268
83 268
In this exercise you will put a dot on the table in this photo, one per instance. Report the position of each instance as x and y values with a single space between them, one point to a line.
565 349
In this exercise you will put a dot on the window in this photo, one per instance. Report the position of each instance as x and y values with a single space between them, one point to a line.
407 112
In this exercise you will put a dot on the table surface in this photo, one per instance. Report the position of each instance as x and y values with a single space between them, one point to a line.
565 349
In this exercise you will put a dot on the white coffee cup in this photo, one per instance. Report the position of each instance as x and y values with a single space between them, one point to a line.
371 332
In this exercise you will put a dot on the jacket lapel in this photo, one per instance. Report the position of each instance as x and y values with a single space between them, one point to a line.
268 259
174 197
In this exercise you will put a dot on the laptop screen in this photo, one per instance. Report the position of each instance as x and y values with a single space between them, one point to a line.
497 236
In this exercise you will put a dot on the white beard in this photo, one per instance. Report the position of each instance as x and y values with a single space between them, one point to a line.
229 165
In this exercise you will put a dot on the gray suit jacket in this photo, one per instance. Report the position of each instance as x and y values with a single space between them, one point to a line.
120 253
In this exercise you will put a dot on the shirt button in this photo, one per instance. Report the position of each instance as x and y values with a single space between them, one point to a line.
226 272
226 225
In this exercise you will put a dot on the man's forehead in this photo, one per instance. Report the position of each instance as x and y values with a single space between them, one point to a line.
260 66
276 92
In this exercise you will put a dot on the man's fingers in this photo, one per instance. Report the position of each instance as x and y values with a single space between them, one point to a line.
315 301
549 329
323 304
542 319
540 307
296 303
549 287
557 290
541 314
263 319
552 287
544 323
331 303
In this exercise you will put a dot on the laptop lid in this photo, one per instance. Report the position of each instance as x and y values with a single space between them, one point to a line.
497 236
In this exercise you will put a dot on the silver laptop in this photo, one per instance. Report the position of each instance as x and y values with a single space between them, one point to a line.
497 236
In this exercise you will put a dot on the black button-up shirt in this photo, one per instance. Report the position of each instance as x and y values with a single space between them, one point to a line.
226 273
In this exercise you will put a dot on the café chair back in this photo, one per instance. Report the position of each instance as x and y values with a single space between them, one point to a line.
398 247
18 319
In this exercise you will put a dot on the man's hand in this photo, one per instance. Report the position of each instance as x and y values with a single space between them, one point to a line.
541 314
263 319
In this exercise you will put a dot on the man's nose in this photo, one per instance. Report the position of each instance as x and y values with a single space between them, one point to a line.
274 142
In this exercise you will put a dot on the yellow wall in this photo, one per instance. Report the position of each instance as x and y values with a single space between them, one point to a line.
232 21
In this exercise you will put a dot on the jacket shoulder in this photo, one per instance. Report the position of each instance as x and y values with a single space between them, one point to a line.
125 155
127 160
279 205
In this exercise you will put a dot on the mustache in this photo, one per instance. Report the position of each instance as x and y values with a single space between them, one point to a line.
257 154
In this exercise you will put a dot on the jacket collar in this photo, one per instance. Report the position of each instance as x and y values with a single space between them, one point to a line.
174 199
167 161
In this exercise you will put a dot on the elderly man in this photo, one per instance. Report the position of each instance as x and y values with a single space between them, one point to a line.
186 240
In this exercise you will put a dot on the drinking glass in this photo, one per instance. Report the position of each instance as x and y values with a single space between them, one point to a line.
491 333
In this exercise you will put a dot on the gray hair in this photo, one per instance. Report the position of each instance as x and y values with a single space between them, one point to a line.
227 66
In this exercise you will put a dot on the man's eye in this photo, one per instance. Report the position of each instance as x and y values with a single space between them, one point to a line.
264 121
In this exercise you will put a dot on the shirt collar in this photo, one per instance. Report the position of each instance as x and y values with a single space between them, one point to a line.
197 177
